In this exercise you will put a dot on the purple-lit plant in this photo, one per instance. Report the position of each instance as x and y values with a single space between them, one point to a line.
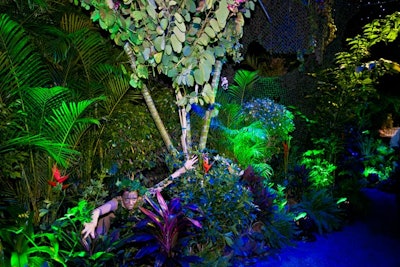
165 232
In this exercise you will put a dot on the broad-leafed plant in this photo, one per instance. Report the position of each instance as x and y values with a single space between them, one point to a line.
22 245
165 233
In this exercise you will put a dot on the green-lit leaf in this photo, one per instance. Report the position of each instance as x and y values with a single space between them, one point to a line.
210 32
151 10
209 56
179 18
181 26
137 15
204 39
158 57
222 13
190 6
214 24
159 30
142 71
164 23
168 49
176 44
172 73
198 76
180 35
190 80
146 53
187 50
196 20
159 43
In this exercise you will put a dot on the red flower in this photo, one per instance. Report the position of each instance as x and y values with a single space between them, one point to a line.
59 179
206 166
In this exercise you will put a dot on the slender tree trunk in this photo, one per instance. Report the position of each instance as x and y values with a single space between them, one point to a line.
207 117
151 106
157 119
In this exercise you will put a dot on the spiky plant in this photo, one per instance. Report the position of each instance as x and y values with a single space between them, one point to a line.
322 208
165 232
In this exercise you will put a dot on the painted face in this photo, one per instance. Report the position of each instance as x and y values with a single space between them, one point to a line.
129 199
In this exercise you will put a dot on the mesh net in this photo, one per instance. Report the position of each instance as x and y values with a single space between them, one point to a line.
288 30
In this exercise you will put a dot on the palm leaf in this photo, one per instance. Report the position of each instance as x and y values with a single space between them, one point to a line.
230 115
73 22
39 102
66 125
59 152
249 144
244 80
117 91
21 66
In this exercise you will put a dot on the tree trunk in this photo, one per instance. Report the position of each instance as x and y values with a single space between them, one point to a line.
150 105
207 117
157 120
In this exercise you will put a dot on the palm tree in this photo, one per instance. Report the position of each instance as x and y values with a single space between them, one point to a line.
48 123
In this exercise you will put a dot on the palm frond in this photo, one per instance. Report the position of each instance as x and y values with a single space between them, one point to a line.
66 125
230 115
244 80
73 22
39 102
249 144
116 91
23 66
58 151
89 46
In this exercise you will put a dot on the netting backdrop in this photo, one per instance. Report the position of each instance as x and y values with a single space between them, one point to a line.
284 29
313 29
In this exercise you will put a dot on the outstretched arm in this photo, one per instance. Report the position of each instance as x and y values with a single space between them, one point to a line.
90 227
189 165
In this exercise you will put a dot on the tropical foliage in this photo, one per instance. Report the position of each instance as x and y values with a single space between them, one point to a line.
187 42
164 234
70 124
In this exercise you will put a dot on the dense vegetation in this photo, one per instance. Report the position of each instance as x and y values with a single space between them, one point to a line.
72 124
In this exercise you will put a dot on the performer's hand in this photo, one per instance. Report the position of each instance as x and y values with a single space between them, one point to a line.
190 162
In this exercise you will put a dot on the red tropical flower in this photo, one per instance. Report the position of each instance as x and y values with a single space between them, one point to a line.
206 165
59 179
